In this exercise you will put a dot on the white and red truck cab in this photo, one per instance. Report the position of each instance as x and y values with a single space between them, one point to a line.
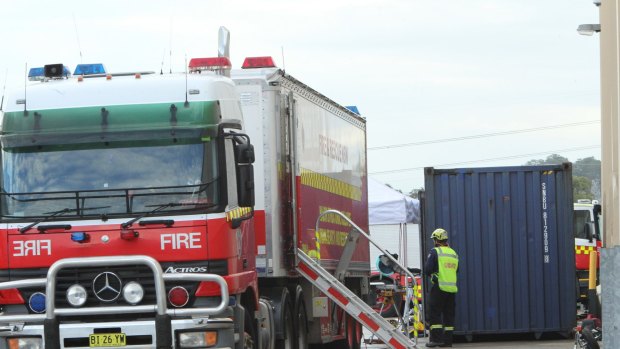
143 210
587 222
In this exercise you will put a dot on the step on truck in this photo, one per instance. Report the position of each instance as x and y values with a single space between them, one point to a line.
147 210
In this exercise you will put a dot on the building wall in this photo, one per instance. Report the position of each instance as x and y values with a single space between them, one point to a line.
610 171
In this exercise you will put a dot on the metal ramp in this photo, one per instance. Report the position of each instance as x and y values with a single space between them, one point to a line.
352 304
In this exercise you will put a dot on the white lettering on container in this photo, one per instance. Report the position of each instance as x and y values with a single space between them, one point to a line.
545 217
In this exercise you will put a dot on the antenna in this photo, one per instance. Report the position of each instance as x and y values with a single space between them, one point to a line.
6 72
77 36
26 90
163 56
283 65
186 104
170 45
223 47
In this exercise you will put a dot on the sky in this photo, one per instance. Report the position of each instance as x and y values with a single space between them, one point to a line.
445 84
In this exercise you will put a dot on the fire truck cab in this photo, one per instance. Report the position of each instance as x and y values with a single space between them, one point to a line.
587 223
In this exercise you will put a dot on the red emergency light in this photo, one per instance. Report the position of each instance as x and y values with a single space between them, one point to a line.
258 62
209 63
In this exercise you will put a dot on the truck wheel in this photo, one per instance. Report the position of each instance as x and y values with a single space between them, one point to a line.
353 341
301 322
249 332
288 342
587 335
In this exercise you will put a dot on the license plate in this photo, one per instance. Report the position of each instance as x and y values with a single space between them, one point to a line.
107 340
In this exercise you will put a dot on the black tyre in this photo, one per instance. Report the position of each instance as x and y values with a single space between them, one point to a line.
250 339
586 334
288 341
351 333
301 325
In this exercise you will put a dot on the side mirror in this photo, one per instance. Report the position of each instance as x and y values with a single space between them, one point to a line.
245 185
244 153
597 210
244 157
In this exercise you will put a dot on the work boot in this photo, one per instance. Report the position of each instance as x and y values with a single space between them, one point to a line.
434 338
447 339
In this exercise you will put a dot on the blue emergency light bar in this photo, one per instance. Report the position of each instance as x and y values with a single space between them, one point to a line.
354 109
35 72
89 69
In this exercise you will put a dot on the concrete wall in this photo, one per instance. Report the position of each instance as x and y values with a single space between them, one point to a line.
610 171
610 80
610 285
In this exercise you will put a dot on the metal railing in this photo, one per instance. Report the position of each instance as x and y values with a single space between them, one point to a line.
160 308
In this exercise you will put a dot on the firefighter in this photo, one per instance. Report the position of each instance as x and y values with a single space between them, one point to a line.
441 266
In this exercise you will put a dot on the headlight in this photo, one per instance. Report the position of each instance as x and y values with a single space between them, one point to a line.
197 339
76 295
25 343
133 293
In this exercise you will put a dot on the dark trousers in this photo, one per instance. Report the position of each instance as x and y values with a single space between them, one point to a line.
441 315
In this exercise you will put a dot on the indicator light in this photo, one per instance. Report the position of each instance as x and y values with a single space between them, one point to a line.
178 296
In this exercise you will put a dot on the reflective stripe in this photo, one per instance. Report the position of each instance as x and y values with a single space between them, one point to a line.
449 328
444 283
440 254
434 327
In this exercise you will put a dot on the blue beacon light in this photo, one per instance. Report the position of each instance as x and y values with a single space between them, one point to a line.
79 236
89 69
37 302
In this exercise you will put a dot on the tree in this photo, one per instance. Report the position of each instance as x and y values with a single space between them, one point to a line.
582 188
584 170
588 167
553 159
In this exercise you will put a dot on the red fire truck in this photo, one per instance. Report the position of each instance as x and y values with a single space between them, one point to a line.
142 210
588 239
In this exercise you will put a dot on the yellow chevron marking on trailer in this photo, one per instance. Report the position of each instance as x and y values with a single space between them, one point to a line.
330 185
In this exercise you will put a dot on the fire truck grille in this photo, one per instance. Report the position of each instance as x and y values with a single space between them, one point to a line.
85 277
126 273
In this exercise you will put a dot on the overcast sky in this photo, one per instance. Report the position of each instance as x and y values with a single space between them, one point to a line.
417 70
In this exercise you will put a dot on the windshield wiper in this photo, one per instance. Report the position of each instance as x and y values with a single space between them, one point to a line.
53 214
158 208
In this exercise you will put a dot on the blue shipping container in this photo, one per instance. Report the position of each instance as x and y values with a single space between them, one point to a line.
512 230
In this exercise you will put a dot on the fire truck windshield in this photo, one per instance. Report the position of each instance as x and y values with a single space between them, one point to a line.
580 218
116 177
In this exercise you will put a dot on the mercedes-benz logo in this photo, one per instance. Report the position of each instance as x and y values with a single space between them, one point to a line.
107 286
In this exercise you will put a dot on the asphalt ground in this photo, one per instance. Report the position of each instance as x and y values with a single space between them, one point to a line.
503 342
510 344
